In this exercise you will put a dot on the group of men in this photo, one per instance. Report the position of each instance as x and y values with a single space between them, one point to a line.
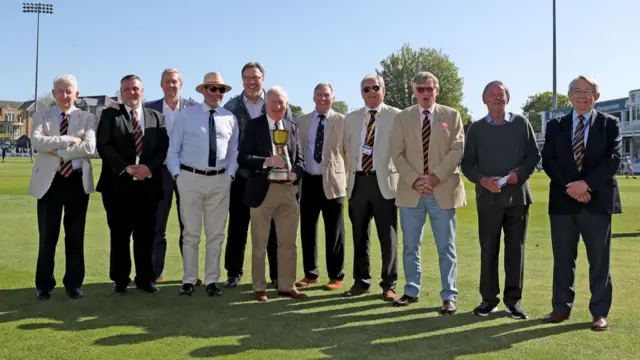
231 162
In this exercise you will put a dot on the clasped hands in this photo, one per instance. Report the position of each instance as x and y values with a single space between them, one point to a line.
491 182
139 172
579 191
278 163
424 184
74 141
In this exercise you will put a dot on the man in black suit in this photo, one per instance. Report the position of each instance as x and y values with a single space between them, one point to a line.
132 142
581 156
273 200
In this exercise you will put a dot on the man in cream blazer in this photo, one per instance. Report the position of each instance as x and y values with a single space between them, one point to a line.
324 187
62 178
427 145
372 186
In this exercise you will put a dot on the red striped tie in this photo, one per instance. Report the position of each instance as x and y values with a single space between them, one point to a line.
578 142
367 159
137 131
426 137
65 167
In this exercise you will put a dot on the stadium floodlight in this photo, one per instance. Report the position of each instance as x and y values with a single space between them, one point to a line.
38 8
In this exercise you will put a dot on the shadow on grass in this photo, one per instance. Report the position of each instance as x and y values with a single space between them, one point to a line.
623 235
340 328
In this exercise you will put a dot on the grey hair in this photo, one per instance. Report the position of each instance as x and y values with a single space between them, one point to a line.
424 76
323 85
496 82
590 80
278 90
66 79
171 71
379 80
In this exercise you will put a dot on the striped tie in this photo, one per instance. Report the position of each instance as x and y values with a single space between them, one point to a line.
65 167
426 137
367 159
578 142
137 131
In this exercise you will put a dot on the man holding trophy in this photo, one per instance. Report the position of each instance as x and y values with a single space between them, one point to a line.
270 148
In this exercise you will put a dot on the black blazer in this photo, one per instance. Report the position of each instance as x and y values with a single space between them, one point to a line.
255 147
116 147
600 165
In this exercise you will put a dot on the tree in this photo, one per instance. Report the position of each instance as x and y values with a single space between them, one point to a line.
399 68
340 107
45 100
540 102
296 111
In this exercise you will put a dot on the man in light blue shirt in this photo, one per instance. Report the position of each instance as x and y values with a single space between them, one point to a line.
202 158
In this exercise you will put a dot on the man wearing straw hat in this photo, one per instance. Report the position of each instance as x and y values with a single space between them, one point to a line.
203 160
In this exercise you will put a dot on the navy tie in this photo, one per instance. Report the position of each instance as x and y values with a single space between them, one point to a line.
317 150
212 139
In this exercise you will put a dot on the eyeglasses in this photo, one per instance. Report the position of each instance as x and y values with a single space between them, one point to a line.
422 89
251 78
212 88
375 88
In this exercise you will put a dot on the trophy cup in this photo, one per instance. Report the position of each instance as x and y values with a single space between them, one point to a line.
280 138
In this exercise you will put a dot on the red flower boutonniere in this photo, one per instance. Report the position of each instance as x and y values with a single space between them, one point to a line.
444 126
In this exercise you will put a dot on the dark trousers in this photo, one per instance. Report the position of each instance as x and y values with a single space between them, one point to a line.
126 216
68 194
162 217
595 230
367 203
492 221
239 217
313 201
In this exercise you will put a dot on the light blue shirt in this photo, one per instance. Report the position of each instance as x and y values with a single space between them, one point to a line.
492 121
189 140
311 166
576 121
75 164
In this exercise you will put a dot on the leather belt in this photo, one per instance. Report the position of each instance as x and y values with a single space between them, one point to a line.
362 173
202 172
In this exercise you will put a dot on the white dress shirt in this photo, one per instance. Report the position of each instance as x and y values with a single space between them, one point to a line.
363 134
189 140
272 126
310 164
140 118
255 109
431 109
169 115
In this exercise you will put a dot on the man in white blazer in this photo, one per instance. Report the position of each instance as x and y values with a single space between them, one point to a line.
371 187
64 138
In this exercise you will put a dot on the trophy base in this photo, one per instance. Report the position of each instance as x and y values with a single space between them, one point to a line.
279 176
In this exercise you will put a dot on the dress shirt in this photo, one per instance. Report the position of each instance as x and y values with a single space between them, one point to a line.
255 109
507 118
587 117
169 115
272 126
75 164
140 114
363 134
431 109
189 140
311 166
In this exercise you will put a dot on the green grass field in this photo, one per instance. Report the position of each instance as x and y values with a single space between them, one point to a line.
234 326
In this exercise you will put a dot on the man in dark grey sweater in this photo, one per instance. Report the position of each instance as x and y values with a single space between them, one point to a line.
500 155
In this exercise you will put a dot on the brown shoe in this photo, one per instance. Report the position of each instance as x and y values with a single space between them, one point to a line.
600 323
555 317
293 294
261 296
448 307
306 282
334 285
356 290
389 295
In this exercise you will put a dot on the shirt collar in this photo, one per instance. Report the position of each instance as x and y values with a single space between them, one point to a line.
317 114
206 108
71 109
166 106
491 120
272 123
586 116
431 109
377 109
138 109
247 101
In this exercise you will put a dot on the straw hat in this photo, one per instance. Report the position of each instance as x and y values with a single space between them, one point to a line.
213 78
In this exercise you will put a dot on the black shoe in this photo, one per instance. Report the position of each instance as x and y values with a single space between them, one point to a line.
485 309
150 288
274 283
232 282
187 289
516 311
75 293
44 294
214 290
198 282
118 289
405 300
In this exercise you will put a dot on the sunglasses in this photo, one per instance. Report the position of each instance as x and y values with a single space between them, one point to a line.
421 89
212 88
375 88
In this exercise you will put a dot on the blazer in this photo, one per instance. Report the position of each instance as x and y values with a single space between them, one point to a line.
45 137
116 147
158 104
600 164
446 146
255 147
386 172
334 153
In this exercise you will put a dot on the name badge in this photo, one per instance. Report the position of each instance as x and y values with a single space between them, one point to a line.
367 150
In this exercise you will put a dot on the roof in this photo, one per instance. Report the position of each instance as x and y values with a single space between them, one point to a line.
13 104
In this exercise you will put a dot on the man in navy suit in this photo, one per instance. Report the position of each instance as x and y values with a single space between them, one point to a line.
581 156
169 105
273 201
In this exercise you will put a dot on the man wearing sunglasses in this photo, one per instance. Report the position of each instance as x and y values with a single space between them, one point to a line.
371 187
202 158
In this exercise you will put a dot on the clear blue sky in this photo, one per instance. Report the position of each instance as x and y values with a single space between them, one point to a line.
301 43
